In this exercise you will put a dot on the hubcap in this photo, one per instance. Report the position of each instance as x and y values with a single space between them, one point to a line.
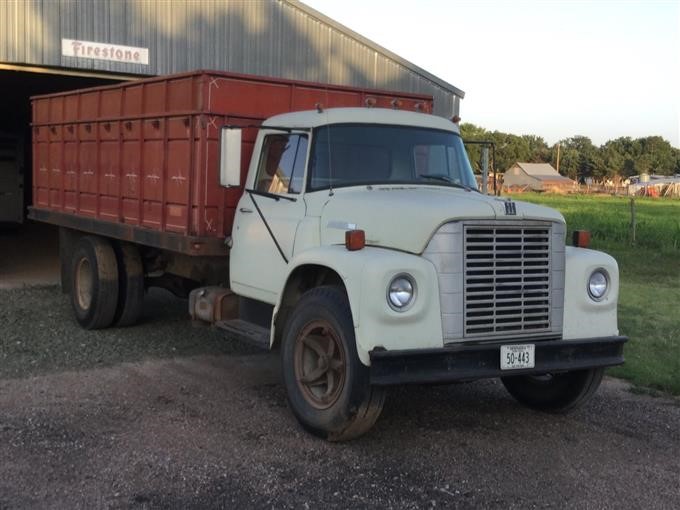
84 284
319 364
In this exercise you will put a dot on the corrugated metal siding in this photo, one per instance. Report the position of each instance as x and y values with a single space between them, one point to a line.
275 37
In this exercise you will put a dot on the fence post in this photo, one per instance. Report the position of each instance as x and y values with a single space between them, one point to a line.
633 223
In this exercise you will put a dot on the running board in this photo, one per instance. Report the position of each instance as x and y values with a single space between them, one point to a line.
246 332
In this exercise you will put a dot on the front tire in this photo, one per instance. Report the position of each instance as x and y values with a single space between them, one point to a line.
327 385
94 282
554 393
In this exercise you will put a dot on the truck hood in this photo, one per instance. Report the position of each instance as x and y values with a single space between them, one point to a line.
405 218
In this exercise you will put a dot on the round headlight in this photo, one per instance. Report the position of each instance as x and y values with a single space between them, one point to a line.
401 292
597 284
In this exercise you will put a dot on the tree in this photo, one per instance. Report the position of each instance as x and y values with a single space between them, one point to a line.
660 155
569 161
470 132
579 157
539 150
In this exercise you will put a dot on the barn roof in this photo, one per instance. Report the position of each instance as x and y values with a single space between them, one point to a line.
543 172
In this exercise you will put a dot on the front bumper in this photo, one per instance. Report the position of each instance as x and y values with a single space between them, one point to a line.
467 362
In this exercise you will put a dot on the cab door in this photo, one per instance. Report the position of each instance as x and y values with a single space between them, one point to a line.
268 215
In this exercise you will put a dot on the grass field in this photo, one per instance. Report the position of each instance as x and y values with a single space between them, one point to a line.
608 219
649 303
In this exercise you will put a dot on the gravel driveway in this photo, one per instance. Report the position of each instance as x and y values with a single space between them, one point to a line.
167 415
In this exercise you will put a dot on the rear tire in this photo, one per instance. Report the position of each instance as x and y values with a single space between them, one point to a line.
554 393
94 282
328 387
130 284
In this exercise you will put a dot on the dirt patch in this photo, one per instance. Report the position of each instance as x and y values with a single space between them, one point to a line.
165 415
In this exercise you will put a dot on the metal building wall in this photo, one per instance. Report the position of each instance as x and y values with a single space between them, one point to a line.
268 37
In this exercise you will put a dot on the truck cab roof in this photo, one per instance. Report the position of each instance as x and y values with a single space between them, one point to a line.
313 118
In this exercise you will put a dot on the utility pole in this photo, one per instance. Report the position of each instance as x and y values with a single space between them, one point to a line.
558 157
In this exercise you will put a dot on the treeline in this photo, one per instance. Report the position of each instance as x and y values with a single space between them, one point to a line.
579 157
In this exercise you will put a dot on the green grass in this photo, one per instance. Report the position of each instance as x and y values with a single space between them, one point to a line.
608 219
649 302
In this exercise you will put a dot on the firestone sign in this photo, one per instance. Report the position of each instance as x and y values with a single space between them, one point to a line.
104 51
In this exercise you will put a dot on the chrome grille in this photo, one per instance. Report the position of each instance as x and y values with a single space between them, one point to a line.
507 273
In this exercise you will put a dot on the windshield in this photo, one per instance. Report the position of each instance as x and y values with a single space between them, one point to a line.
362 154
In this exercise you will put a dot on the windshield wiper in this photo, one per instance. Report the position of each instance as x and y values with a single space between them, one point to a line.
445 178
270 195
438 177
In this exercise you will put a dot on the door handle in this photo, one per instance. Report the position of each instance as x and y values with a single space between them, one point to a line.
245 210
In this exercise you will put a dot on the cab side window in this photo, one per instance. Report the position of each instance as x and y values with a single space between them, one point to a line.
282 164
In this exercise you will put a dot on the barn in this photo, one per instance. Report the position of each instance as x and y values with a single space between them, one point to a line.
536 177
55 45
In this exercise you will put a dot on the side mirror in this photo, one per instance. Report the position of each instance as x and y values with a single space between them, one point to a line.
230 157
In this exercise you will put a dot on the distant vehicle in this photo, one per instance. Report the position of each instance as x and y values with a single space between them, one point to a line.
353 237
11 179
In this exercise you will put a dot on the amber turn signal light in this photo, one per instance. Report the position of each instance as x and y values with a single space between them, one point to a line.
581 238
355 239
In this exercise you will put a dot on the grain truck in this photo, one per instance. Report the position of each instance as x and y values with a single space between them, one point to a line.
342 226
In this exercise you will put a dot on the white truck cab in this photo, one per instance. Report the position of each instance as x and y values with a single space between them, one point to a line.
364 232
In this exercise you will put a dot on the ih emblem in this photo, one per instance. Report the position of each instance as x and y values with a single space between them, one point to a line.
510 208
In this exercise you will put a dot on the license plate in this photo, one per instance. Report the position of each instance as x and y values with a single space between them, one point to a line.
514 357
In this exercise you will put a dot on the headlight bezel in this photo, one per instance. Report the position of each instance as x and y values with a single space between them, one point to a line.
607 283
414 292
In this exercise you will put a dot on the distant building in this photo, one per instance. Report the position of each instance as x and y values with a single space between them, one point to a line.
654 185
536 177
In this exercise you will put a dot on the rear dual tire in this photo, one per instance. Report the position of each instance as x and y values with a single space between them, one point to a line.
107 283
130 284
94 288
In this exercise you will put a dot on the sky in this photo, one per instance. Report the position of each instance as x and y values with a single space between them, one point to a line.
555 69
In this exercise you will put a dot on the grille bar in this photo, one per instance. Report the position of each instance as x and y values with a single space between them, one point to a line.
507 279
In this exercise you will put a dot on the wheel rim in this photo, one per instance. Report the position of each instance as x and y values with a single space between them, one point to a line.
319 364
83 285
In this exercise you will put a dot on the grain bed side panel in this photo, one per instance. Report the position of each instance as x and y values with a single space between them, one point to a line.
145 154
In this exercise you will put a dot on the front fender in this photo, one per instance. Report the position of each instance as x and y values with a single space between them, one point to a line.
584 317
366 274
